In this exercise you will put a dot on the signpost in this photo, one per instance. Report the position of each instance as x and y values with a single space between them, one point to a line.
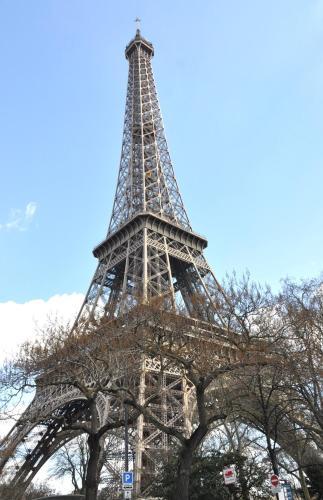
229 475
127 480
288 493
275 484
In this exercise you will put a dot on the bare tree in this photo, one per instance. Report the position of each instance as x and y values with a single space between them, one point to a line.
241 367
81 363
104 359
34 491
241 440
71 461
205 360
284 398
300 306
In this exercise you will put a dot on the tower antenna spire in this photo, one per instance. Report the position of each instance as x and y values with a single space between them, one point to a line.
138 24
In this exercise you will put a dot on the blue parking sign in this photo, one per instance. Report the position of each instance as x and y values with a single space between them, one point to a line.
127 480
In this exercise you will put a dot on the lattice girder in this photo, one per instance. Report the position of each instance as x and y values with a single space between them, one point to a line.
149 257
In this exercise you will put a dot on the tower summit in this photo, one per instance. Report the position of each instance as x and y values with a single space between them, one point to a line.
139 40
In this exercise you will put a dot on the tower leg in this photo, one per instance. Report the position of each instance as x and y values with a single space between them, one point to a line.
170 395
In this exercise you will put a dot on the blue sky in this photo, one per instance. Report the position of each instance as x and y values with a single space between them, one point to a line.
240 87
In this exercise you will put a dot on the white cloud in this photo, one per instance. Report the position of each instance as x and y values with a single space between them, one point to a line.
20 219
20 322
30 210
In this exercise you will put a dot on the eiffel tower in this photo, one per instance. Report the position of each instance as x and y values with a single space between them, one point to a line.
150 250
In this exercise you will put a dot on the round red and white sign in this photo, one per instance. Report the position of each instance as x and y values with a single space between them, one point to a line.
274 479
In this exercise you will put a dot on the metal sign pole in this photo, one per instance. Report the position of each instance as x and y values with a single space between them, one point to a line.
126 438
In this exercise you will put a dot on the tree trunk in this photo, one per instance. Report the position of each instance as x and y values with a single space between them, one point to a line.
92 477
303 485
183 474
273 459
243 481
185 461
272 455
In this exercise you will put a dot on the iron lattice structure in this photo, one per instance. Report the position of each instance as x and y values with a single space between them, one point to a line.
150 251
